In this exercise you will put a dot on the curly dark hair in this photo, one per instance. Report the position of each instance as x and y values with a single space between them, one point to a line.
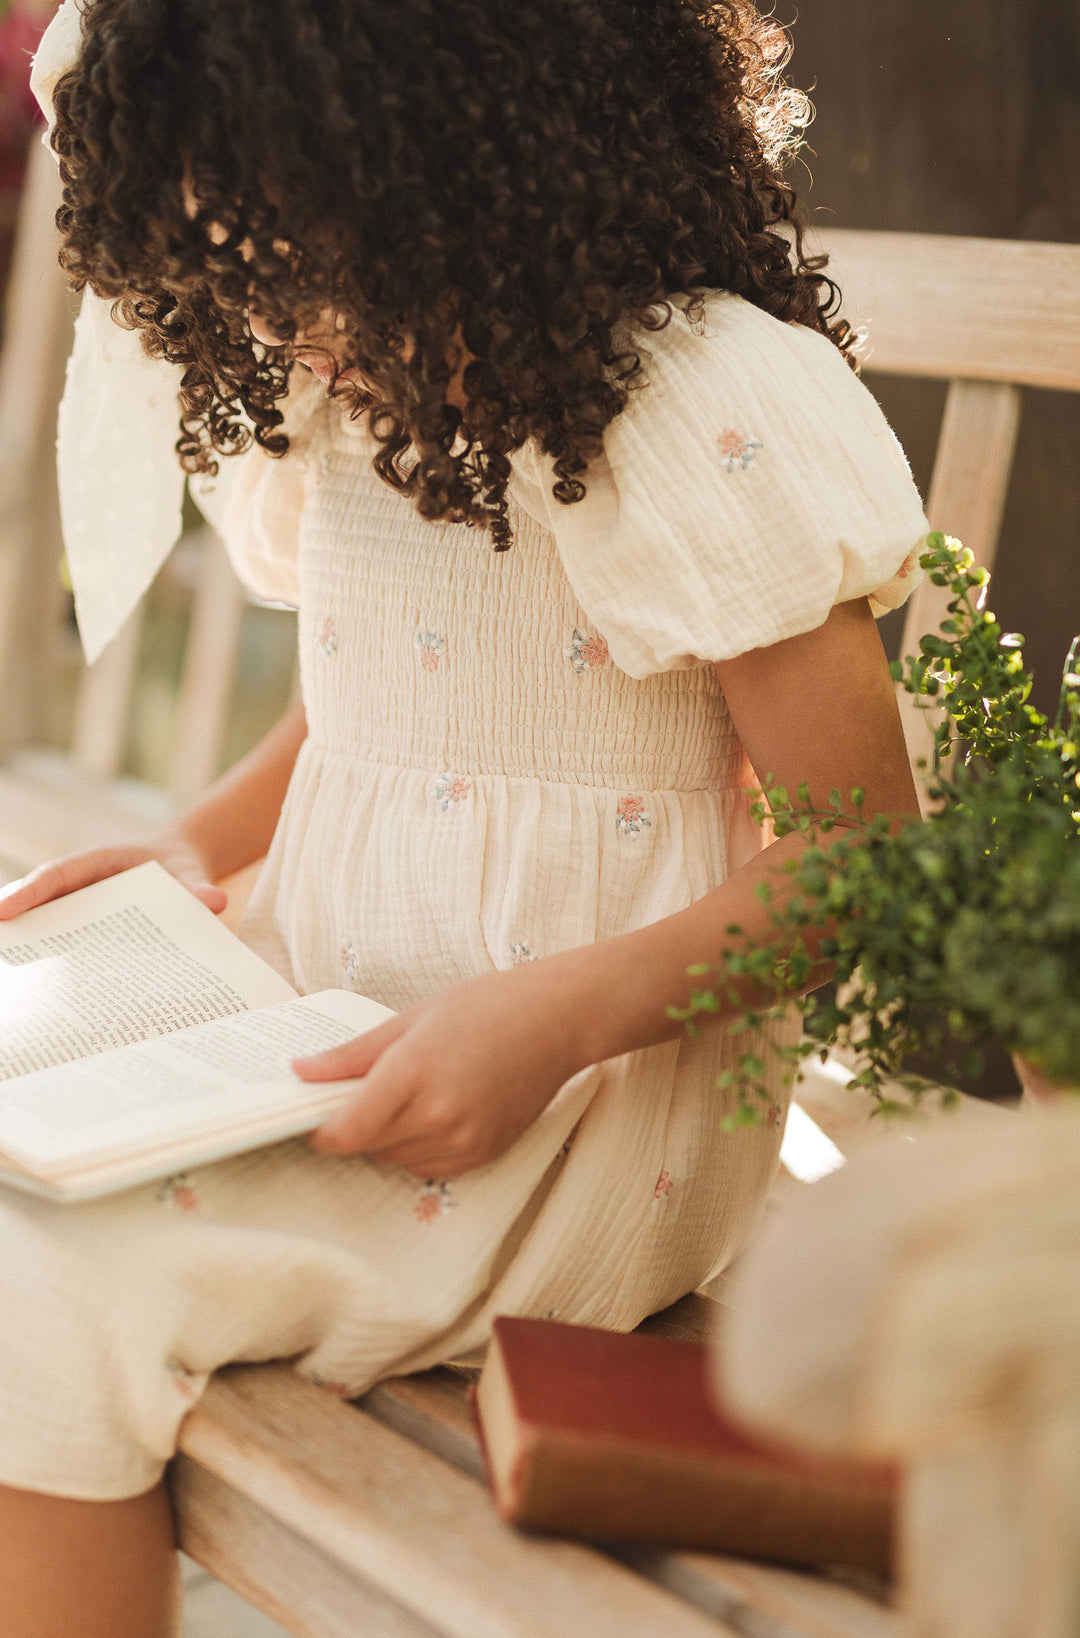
519 186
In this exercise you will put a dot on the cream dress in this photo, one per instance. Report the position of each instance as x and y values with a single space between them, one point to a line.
508 755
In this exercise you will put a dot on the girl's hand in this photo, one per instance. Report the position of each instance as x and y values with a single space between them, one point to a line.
53 881
452 1083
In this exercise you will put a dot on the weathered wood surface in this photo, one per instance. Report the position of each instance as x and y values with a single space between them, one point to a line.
38 329
961 308
209 675
760 1600
324 1514
968 491
287 1577
990 316
401 1523
50 806
103 708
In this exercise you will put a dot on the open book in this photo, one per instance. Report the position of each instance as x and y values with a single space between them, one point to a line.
139 1037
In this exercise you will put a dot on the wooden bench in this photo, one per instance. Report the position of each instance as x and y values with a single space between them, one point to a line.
990 317
373 1518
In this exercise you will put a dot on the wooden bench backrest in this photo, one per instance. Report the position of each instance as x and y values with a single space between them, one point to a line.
39 315
38 312
990 317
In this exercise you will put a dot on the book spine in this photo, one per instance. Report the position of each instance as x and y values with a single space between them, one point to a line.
579 1487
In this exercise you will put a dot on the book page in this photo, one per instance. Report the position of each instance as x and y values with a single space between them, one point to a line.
126 959
216 1074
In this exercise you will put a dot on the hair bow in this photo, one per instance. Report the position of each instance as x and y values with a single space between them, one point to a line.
120 483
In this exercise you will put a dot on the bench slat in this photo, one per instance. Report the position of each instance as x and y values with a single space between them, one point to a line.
763 1598
691 1319
49 806
290 1579
407 1525
757 1600
952 307
433 1410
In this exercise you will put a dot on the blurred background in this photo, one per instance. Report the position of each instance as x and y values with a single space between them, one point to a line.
963 116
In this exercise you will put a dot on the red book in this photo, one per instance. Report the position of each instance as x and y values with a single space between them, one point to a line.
613 1436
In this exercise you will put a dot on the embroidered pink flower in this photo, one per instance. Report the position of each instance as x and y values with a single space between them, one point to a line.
430 646
340 1390
907 565
521 955
326 636
435 1201
588 652
737 449
178 1193
450 788
350 961
663 1186
630 816
183 1379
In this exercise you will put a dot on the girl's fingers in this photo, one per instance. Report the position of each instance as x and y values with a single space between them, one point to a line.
355 1057
213 897
372 1117
54 881
369 1122
422 1159
63 876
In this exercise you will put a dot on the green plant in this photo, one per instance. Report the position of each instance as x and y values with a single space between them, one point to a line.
951 929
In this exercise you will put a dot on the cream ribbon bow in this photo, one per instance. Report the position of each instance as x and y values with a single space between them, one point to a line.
121 486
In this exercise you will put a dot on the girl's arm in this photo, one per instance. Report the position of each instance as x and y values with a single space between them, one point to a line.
451 1083
228 827
820 709
233 822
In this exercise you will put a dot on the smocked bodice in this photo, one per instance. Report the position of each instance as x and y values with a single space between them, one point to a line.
421 647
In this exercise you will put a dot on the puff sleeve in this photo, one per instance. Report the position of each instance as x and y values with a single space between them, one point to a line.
749 485
256 499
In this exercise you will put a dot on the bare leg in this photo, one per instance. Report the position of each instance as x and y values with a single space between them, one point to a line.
77 1569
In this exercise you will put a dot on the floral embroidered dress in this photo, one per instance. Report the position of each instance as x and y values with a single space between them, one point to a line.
508 755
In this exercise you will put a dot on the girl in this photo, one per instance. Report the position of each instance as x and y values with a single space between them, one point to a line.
551 438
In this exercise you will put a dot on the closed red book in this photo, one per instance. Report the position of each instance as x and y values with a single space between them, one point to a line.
612 1436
